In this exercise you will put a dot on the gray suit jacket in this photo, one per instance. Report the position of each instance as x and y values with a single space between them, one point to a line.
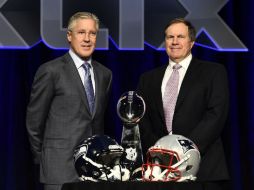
58 116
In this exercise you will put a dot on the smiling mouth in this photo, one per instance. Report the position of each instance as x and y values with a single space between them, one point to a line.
175 49
86 46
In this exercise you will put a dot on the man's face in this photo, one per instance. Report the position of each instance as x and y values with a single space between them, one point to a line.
177 42
82 37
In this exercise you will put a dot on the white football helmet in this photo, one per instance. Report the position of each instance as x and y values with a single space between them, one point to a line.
172 158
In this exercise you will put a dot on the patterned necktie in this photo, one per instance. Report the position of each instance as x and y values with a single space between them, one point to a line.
88 86
170 96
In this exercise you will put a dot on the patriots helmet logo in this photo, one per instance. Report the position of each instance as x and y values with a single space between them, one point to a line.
186 145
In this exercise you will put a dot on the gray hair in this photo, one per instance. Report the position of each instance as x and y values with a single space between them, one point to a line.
82 15
191 29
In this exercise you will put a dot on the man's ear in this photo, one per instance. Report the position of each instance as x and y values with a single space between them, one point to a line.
192 43
69 36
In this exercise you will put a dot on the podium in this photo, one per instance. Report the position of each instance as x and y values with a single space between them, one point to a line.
132 185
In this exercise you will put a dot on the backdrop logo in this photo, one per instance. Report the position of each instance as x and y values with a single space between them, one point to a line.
129 24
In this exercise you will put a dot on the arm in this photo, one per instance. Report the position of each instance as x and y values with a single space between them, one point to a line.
109 88
38 108
214 118
148 137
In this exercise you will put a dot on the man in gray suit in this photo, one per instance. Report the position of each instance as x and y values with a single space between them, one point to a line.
61 111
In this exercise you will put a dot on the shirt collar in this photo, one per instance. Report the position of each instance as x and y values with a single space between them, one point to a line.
184 63
77 60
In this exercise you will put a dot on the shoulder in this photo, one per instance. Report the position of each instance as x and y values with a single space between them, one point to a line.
101 68
54 64
208 64
51 69
208 67
151 79
154 72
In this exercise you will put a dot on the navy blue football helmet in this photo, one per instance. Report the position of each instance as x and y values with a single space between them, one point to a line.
99 158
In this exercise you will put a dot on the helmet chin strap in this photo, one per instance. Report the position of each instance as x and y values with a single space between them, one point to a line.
84 178
119 173
160 176
187 178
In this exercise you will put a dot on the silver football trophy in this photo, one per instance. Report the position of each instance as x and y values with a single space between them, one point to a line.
130 109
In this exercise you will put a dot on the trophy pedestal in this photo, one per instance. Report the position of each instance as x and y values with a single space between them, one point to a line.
132 145
131 108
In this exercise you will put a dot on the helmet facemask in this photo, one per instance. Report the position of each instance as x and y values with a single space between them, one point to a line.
161 166
172 158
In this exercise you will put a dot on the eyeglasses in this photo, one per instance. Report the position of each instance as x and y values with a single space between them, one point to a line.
82 33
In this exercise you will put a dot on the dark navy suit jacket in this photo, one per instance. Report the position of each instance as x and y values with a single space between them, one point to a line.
200 113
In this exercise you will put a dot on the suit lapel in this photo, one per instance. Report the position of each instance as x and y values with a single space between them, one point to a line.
158 95
75 78
98 82
187 82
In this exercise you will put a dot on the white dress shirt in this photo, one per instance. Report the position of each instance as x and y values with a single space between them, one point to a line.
78 63
184 63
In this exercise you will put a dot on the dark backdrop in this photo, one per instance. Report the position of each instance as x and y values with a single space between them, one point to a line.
17 69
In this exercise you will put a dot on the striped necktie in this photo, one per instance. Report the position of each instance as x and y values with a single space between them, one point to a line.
88 86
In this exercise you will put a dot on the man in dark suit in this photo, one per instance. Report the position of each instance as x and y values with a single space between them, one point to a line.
67 103
201 106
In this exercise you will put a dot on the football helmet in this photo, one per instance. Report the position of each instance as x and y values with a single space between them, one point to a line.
172 158
98 158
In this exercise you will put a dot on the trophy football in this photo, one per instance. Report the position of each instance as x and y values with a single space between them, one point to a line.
130 109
